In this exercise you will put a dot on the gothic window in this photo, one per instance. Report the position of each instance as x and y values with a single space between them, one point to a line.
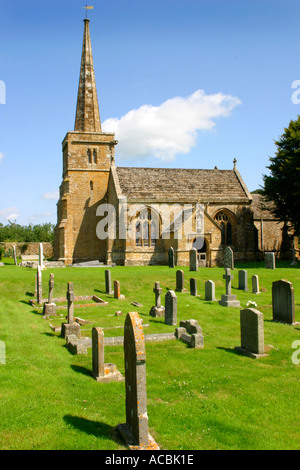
89 155
225 223
146 229
95 156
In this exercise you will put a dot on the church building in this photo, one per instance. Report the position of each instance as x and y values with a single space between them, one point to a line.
155 202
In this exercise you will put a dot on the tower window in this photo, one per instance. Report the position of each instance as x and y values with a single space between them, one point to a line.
91 185
95 156
89 155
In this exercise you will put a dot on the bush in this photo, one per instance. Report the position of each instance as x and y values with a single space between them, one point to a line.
1 251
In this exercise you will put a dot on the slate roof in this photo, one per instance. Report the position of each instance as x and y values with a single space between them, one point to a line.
181 184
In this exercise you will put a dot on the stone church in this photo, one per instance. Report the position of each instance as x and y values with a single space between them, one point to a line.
231 216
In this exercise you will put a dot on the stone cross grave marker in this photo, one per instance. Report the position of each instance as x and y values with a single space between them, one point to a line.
71 327
171 308
180 281
229 300
108 288
101 371
210 291
157 310
243 280
255 284
193 260
270 261
171 258
135 431
252 333
193 286
228 258
283 302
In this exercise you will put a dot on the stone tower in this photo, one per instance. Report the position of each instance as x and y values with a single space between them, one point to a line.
87 157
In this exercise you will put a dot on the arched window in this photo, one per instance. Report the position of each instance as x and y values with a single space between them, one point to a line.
146 228
89 155
95 156
225 223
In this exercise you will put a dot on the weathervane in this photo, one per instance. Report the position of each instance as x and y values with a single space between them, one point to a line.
87 7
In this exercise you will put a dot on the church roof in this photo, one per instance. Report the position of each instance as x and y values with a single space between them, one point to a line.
180 185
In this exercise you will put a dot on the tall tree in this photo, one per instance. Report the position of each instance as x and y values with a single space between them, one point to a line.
282 186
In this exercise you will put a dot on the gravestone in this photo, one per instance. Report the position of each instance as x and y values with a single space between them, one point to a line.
71 327
193 286
108 288
101 371
171 308
50 308
243 280
270 261
193 260
252 333
39 287
229 300
180 281
190 333
228 258
171 258
117 291
255 285
283 302
15 255
294 258
135 431
41 256
210 291
158 310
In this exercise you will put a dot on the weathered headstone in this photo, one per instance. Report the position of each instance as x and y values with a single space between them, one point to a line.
171 258
190 333
41 256
255 285
294 257
210 291
228 300
171 308
193 260
39 287
243 280
117 291
108 288
15 255
158 310
71 327
252 333
180 281
135 431
50 308
228 258
193 286
270 261
283 302
101 371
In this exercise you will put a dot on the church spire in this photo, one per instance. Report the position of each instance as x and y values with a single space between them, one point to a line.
87 112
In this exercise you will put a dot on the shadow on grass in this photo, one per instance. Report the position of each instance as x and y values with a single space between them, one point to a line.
230 350
100 291
82 370
29 294
93 428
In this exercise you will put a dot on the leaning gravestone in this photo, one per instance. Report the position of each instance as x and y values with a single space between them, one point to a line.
229 300
180 281
255 284
228 258
171 258
270 261
135 431
50 308
101 371
210 291
283 302
71 327
243 280
170 308
193 260
252 333
108 288
158 310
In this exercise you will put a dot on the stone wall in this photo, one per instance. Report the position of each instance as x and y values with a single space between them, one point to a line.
29 248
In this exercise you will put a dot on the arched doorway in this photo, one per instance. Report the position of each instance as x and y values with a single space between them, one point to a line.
201 246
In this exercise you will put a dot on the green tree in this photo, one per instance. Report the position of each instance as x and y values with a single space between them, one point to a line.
282 185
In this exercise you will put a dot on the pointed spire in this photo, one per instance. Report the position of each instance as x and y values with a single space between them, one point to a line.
87 112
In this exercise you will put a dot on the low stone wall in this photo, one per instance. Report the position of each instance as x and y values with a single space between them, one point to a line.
29 248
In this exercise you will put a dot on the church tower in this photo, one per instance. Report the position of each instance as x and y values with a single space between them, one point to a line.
87 157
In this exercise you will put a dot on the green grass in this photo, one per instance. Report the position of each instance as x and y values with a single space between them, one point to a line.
197 399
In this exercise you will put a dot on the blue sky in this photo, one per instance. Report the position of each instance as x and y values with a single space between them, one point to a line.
151 59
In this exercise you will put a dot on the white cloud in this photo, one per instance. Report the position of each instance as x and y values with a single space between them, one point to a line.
1 157
171 128
10 213
53 195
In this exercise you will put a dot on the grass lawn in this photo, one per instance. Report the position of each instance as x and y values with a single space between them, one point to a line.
197 399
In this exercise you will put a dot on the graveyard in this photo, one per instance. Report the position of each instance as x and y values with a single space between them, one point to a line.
210 396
